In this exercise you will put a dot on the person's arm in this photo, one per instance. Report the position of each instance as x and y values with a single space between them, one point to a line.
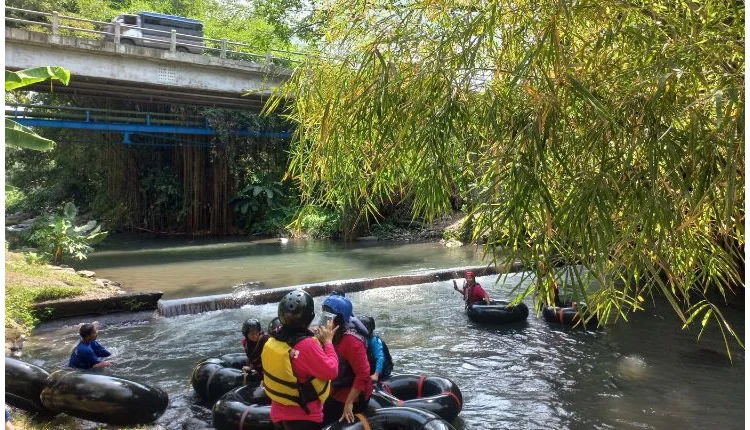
354 351
323 363
99 350
483 293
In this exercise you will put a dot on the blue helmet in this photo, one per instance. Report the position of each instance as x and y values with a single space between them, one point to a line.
339 305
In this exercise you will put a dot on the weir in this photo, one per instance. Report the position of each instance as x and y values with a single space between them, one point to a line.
195 305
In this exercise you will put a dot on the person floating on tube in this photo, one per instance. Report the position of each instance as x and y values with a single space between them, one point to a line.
473 292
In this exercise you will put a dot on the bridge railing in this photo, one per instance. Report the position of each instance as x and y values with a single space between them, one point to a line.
61 25
90 115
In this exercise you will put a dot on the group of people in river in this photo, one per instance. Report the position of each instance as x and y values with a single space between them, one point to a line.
313 375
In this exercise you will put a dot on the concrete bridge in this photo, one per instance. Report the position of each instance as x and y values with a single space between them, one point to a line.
136 73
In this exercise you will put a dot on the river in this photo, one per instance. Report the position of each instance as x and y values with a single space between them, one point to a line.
182 267
647 374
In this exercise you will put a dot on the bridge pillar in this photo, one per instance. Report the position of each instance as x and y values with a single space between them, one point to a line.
118 31
55 23
173 40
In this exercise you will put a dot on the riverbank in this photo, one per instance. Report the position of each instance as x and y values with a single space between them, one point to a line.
28 283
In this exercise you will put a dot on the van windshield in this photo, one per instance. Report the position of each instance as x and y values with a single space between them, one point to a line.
130 19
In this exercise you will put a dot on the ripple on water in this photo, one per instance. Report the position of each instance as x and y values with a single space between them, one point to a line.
529 376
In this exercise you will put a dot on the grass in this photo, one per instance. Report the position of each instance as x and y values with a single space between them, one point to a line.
23 420
28 283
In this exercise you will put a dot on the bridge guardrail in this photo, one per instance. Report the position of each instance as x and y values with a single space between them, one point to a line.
93 115
222 48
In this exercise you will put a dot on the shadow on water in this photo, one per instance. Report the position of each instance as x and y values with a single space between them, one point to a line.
648 374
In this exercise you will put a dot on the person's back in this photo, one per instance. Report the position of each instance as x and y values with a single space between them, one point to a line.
352 387
88 353
298 367
381 363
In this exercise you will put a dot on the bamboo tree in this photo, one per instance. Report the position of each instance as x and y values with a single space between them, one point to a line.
607 134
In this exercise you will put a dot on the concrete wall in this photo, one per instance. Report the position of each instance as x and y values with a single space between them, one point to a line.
107 62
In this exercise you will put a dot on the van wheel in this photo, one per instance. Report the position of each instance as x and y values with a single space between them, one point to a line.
182 49
127 42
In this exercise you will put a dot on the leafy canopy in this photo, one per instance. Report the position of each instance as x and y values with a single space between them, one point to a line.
603 134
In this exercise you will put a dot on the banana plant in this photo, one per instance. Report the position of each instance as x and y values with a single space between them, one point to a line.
60 236
16 134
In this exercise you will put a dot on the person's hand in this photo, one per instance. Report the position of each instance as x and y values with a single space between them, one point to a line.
348 414
247 369
105 363
375 377
325 334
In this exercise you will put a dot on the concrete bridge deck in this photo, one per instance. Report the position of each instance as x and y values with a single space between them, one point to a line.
136 73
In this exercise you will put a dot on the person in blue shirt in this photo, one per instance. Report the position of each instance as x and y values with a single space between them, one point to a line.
8 424
381 363
88 353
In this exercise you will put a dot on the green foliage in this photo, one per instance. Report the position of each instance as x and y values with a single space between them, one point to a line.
59 236
275 221
16 134
13 199
19 299
255 200
32 282
318 222
161 195
26 77
596 133
34 259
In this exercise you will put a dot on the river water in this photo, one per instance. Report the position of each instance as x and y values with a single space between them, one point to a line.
647 374
197 267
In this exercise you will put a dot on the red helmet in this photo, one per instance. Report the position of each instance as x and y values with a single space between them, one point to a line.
470 274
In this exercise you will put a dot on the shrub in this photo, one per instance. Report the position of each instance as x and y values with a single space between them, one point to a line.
319 222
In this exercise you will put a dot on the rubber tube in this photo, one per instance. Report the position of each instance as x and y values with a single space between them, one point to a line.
213 377
435 394
24 383
103 398
497 313
394 419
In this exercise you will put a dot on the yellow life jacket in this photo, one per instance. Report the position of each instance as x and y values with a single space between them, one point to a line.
281 383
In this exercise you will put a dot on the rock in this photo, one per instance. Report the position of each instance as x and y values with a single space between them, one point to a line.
17 228
86 273
453 243
16 218
108 283
367 238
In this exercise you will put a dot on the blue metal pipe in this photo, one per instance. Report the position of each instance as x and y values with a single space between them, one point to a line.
144 128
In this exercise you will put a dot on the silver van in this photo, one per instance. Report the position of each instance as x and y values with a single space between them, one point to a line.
153 30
